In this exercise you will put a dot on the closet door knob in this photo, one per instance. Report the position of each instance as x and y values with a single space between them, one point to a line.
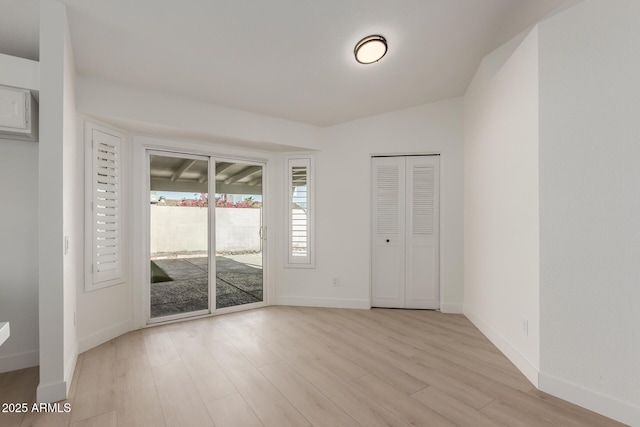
388 240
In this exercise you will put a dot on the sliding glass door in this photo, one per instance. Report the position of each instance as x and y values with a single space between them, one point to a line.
192 217
179 236
239 234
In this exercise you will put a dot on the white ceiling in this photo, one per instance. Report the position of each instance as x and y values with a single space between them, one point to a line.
291 59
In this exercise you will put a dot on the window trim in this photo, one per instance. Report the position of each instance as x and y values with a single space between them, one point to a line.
309 260
93 283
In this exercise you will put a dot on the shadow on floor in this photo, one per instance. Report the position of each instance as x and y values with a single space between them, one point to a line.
186 290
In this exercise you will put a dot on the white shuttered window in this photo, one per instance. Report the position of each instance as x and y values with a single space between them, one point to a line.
105 209
300 207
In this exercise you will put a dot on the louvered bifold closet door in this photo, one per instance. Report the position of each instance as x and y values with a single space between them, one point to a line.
106 207
422 239
388 232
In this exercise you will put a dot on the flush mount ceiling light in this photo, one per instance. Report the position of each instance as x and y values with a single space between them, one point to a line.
370 49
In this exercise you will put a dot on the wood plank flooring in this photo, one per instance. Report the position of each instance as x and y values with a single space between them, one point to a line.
295 366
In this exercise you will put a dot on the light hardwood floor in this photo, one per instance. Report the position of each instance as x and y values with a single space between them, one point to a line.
290 366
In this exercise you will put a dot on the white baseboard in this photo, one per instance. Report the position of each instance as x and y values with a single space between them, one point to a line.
609 407
13 362
324 302
527 368
53 392
452 308
70 369
101 337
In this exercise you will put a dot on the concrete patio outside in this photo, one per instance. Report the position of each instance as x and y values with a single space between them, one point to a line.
238 281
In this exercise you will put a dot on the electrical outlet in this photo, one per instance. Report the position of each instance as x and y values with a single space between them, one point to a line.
525 327
335 282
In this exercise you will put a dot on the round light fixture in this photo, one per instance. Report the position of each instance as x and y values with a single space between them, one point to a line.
370 49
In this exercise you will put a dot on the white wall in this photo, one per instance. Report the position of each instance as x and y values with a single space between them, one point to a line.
153 113
590 205
52 385
60 206
184 229
19 253
178 229
73 209
19 230
342 179
501 254
105 313
238 229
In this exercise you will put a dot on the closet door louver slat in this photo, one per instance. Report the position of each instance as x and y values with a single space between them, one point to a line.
423 207
387 199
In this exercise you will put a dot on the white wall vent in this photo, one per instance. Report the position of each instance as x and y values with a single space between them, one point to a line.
18 114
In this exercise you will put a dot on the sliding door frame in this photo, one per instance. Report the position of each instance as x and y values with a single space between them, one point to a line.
210 244
263 220
142 146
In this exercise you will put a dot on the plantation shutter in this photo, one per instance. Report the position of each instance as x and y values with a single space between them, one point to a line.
106 207
300 210
299 223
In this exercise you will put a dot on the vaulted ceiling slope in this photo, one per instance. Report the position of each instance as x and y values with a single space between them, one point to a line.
291 59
